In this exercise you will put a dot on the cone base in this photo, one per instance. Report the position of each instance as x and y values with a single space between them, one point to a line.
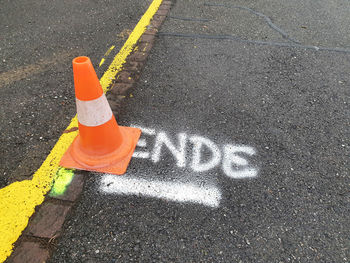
119 167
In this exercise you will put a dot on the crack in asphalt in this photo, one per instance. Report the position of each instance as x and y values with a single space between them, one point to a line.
266 18
190 19
257 42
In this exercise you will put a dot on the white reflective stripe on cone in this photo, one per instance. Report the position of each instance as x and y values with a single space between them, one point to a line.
94 112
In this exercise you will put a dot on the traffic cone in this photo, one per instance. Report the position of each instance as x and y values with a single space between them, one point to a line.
101 145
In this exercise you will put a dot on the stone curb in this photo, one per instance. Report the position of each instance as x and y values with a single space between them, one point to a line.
126 79
39 239
44 227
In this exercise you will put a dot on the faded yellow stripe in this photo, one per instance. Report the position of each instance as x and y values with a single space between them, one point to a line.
11 76
109 51
106 55
18 200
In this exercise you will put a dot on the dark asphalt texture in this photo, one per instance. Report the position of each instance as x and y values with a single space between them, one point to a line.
290 103
38 40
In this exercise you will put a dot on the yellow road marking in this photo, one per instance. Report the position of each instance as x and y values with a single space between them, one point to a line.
124 34
106 55
18 200
101 62
109 51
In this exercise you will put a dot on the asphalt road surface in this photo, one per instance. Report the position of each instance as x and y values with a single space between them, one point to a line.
244 108
38 40
244 156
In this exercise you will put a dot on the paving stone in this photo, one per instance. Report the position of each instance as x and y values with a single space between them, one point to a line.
29 252
159 18
156 23
162 12
147 38
125 77
167 3
134 65
47 222
121 88
73 190
151 31
164 6
145 47
138 56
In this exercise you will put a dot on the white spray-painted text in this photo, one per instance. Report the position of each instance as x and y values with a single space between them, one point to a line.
233 158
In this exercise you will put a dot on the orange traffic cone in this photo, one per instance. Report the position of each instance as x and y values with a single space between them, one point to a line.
101 144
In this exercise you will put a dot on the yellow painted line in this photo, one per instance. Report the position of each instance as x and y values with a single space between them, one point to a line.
109 51
119 59
18 200
106 55
101 62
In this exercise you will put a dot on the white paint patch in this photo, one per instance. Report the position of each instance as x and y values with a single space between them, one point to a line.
95 112
143 155
179 192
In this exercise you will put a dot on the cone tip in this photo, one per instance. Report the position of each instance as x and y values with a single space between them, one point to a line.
87 85
81 60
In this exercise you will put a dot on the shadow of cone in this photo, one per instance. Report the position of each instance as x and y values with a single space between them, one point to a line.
101 145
